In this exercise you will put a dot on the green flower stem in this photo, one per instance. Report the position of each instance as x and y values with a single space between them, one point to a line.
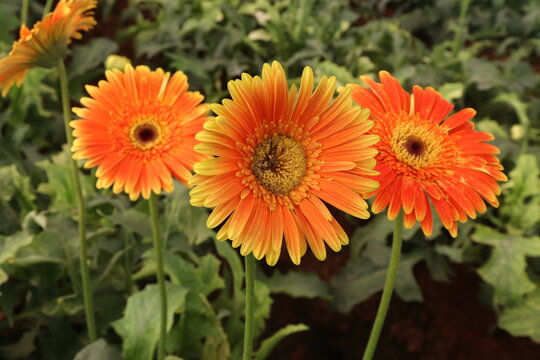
250 290
87 292
458 34
160 276
24 12
47 8
387 290
127 260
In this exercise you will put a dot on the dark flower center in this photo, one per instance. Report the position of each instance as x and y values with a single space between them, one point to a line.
415 147
146 133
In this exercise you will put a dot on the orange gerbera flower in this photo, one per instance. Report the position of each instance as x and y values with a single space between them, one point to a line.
426 157
47 42
139 129
280 152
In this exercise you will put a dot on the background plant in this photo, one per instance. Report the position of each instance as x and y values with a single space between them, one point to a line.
493 67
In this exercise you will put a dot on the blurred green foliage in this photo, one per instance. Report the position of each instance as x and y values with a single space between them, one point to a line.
490 62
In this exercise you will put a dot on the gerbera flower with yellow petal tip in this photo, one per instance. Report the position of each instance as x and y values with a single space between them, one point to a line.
427 158
47 42
278 155
138 128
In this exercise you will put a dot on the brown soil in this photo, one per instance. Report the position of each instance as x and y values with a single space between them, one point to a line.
451 323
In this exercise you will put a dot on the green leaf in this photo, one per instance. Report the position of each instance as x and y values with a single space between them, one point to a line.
493 127
46 247
22 348
297 284
60 186
132 220
269 344
13 183
225 250
363 277
139 328
98 350
200 330
184 218
452 91
524 179
9 246
376 230
343 76
263 303
483 73
33 92
90 56
512 100
524 319
204 278
522 201
505 269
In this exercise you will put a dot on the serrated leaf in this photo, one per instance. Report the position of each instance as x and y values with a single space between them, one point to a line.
269 344
201 329
139 327
90 56
60 186
362 277
523 319
522 201
297 284
14 183
231 256
186 219
204 278
524 179
263 303
98 350
505 269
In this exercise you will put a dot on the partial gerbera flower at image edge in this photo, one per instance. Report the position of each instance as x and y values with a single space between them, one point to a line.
46 43
427 158
276 152
138 127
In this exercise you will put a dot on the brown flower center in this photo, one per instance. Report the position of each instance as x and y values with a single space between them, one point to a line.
145 134
414 146
279 164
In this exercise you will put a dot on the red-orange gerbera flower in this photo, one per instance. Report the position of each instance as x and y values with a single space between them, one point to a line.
280 152
47 42
139 129
426 157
